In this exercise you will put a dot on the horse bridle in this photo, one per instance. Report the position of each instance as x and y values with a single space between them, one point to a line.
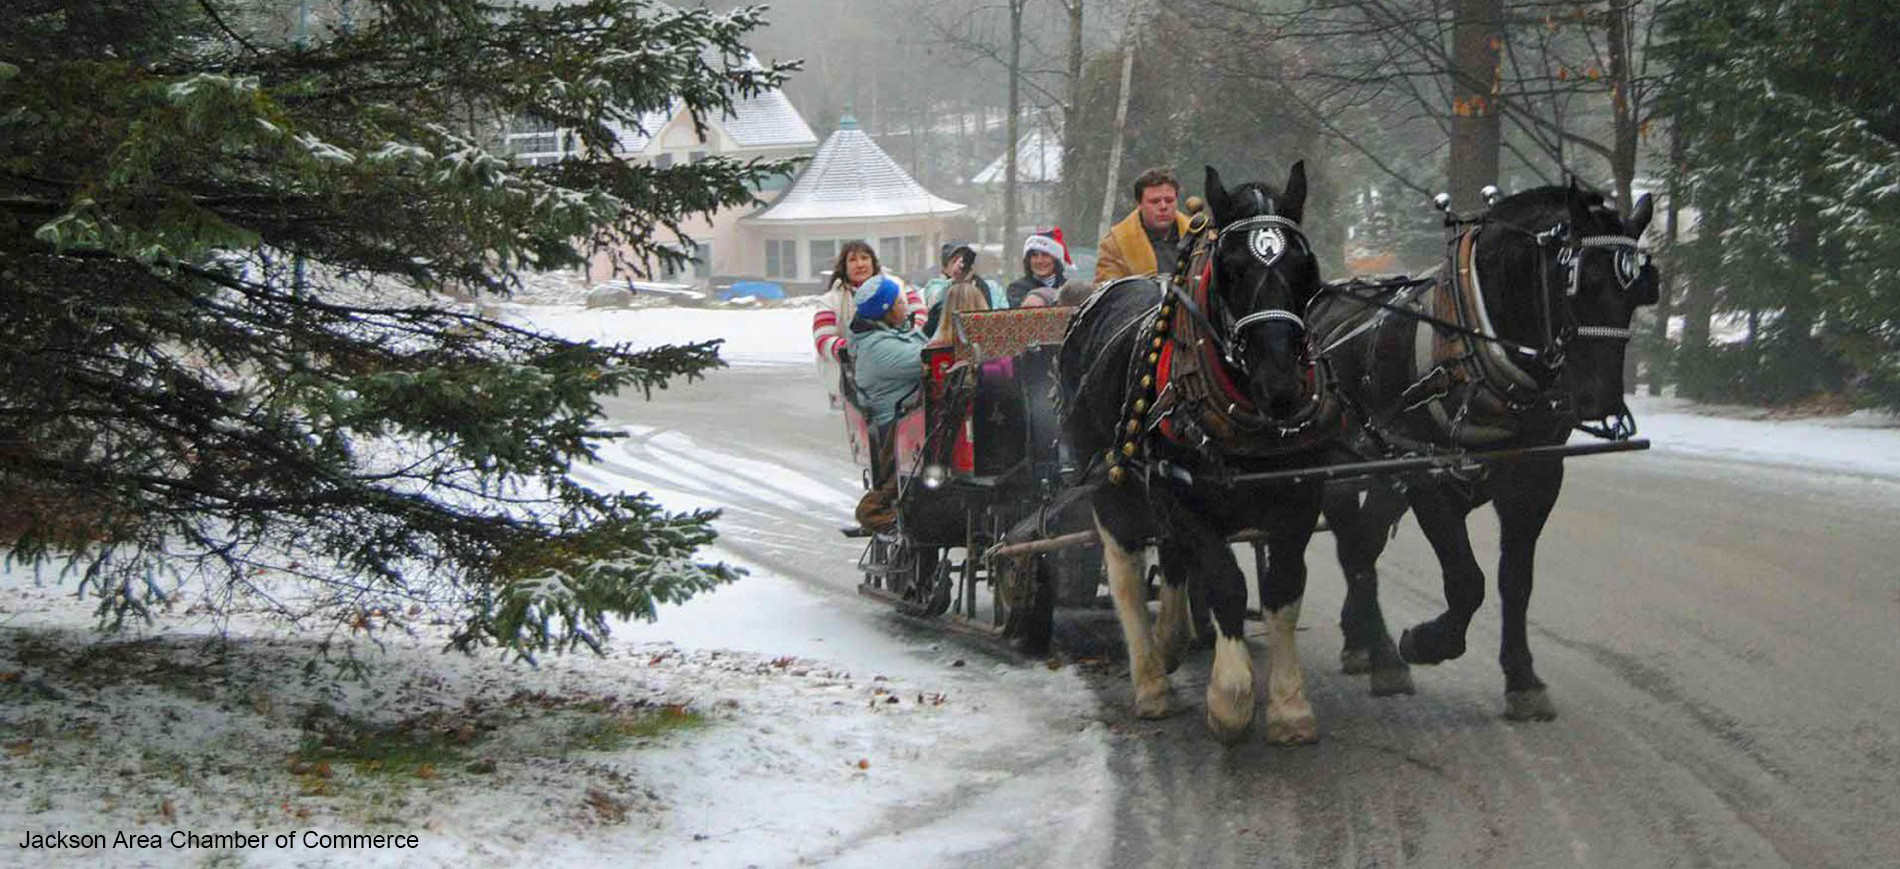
1570 257
1236 341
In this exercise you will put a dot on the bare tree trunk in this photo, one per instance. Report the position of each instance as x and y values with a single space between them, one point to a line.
1072 113
1014 122
1659 364
1476 129
1115 135
1622 103
1698 308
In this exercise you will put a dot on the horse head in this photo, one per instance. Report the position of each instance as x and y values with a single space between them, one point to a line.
1262 276
1585 275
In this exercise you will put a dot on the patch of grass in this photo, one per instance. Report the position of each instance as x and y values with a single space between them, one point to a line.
386 752
613 732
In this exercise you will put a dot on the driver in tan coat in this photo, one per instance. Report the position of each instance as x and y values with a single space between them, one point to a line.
1144 242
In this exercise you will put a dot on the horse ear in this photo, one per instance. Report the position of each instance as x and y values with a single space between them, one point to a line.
1294 201
1579 201
1217 201
1638 220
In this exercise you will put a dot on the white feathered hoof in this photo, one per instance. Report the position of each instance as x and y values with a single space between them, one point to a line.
1230 703
1297 729
1229 713
1154 699
1529 705
1355 662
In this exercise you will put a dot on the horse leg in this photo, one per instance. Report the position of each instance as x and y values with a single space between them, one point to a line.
1290 524
1127 586
1360 531
1525 496
1441 514
1173 629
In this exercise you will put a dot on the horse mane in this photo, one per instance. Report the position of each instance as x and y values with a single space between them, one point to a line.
1541 207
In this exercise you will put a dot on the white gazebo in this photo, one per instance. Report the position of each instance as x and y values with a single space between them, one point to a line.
851 190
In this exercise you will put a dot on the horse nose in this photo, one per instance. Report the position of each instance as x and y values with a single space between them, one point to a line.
1285 401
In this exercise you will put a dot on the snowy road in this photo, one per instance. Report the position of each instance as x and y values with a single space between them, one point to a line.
1719 637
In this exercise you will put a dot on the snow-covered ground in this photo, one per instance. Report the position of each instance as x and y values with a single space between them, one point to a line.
764 724
768 723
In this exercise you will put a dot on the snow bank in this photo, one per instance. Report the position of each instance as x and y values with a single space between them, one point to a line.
769 336
1862 443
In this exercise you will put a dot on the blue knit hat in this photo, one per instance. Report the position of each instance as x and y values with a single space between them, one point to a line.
875 297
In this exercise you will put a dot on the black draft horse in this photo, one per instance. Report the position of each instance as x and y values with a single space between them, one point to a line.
1556 274
1158 434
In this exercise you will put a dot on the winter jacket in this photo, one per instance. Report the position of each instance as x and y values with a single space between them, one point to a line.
889 366
829 321
1126 251
1020 288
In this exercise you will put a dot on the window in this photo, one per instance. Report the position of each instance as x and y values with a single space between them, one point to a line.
781 258
823 252
890 253
695 156
531 135
702 260
914 251
664 161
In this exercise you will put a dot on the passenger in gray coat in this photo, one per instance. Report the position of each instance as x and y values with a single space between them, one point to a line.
887 352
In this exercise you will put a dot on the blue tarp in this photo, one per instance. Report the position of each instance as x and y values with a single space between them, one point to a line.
758 289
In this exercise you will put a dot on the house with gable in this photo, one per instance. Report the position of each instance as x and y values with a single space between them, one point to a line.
848 189
763 126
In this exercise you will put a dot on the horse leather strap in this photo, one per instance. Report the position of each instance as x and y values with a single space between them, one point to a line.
1198 404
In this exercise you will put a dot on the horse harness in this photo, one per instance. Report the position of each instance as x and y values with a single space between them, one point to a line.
1183 365
1476 386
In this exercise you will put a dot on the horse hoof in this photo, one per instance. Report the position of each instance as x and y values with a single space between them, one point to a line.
1408 647
1155 701
1229 723
1355 662
1301 730
1529 705
1392 681
1411 653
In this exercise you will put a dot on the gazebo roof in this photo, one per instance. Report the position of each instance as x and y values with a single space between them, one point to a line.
852 178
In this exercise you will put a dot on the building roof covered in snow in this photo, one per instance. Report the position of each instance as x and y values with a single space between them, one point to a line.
852 178
763 120
1038 161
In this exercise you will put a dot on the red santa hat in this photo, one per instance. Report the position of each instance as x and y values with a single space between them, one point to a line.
1049 242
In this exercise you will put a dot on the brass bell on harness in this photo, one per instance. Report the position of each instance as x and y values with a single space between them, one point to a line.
1160 327
1154 359
1128 449
1141 405
1193 205
1134 426
1117 475
1157 344
1147 380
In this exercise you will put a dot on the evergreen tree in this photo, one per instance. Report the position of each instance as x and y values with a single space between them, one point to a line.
229 348
1793 140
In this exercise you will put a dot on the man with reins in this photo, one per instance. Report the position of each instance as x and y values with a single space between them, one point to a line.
1144 242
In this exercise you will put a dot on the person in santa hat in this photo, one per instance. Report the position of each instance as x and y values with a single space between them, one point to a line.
1045 259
